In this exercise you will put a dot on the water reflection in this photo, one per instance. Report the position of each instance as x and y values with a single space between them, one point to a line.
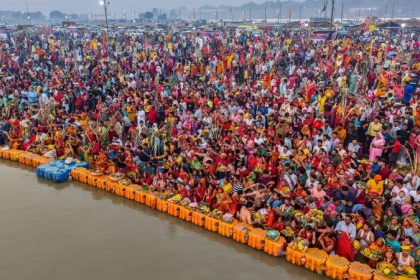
49 227
175 223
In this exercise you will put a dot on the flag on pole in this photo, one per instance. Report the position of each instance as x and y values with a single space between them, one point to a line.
325 7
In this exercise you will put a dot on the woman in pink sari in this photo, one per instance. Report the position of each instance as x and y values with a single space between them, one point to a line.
376 146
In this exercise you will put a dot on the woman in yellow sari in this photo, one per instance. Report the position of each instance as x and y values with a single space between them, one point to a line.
300 156
377 211
101 161
223 201
375 251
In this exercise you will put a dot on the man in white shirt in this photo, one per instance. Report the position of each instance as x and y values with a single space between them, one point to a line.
249 121
283 87
290 178
353 146
346 226
259 140
141 116
399 187
416 195
318 136
327 130
326 143
198 113
44 100
141 127
318 147
285 153
311 182
340 149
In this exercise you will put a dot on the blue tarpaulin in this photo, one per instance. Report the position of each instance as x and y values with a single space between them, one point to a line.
58 171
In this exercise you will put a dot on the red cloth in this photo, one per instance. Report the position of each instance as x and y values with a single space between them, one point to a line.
344 247
397 147
271 218
153 115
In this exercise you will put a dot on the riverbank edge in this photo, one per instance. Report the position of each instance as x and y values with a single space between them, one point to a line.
313 259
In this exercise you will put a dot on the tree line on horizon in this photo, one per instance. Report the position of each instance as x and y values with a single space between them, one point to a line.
270 9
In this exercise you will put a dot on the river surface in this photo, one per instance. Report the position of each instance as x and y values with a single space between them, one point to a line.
72 231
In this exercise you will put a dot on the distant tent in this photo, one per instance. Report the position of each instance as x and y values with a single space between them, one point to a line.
292 25
388 25
323 24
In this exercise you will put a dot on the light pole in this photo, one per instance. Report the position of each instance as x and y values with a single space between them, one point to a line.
332 13
105 3
402 29
28 14
307 31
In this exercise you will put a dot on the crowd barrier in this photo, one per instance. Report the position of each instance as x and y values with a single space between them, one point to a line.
212 224
360 271
240 232
185 214
173 209
274 247
294 256
336 267
198 219
313 259
226 229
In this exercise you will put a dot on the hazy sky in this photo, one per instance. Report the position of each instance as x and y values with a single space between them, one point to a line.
92 6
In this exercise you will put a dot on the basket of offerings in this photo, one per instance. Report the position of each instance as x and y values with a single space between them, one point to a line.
116 177
361 185
185 201
299 244
298 214
356 245
258 216
315 215
192 205
183 136
165 195
96 173
288 233
125 181
167 166
203 207
407 271
176 198
371 254
386 269
273 235
216 213
227 218
365 162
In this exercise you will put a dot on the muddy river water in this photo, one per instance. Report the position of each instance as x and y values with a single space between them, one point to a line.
76 232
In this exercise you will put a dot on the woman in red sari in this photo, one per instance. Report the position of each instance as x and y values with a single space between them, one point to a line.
344 247
130 164
200 192
330 173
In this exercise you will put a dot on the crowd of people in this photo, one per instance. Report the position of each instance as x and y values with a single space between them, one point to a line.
264 127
